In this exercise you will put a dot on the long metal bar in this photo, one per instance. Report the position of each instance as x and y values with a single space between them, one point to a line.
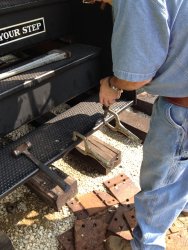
51 57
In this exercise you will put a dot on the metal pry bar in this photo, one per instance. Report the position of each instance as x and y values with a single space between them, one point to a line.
51 57
23 149
119 126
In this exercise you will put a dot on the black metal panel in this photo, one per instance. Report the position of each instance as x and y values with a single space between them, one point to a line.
12 5
70 78
93 25
56 17
50 141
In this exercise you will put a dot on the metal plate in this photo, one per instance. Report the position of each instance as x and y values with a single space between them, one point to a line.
66 240
130 218
121 187
91 204
119 225
106 198
90 234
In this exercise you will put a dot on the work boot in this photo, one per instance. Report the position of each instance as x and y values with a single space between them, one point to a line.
117 243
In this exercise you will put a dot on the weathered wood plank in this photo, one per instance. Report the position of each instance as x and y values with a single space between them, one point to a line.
50 192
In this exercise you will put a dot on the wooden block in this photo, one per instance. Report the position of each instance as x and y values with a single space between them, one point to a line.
50 192
108 156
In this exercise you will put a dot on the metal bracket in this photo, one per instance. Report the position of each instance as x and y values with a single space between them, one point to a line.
119 127
106 155
88 150
77 135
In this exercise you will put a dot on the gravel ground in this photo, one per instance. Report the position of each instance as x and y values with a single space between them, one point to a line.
32 225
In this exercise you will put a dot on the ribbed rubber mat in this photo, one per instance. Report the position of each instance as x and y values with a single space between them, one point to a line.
50 141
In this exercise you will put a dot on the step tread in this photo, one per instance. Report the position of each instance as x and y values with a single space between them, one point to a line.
51 141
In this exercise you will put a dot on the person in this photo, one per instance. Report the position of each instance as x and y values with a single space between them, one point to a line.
150 51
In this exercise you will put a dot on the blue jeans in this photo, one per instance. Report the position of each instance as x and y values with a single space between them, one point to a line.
163 177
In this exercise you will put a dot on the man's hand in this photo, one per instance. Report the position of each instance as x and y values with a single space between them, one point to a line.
107 95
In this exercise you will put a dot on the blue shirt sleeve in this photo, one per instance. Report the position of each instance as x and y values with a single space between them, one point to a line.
140 39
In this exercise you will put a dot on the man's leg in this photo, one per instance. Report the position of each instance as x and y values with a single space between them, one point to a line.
164 175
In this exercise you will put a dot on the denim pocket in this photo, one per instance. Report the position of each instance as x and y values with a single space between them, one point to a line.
176 115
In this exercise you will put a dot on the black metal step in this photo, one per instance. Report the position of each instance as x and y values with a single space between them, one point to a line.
51 141
80 53
27 96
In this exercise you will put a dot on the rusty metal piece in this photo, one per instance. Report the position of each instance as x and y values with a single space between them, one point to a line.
105 154
77 208
129 203
144 102
119 225
91 203
119 178
106 215
130 218
66 240
90 234
136 123
120 128
106 198
121 187
49 191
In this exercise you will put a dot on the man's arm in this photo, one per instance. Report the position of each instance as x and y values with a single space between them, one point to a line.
111 88
140 43
126 85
